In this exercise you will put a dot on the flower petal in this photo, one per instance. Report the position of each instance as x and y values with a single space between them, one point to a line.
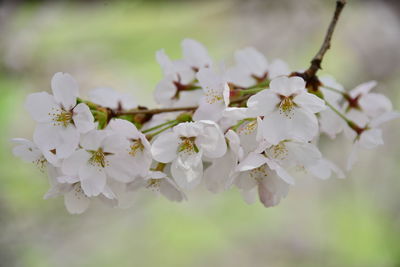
252 161
71 165
164 148
262 103
75 201
93 179
83 118
65 89
310 102
40 106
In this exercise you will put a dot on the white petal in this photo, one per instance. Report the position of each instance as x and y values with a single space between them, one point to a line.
124 128
363 88
69 179
287 86
187 170
250 196
252 61
301 125
375 104
271 190
165 90
40 106
71 165
47 136
252 161
277 68
65 89
69 140
93 179
281 172
115 143
206 111
302 154
371 138
26 150
262 103
120 168
83 118
218 177
195 54
385 118
310 102
212 140
165 147
245 182
93 139
169 190
75 201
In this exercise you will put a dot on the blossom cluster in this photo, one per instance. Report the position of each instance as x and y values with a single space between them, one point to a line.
252 126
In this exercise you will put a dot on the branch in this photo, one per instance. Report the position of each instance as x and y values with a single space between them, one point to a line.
163 110
316 61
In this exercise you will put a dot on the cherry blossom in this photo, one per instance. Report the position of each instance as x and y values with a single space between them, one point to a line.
102 155
60 119
288 110
252 68
185 146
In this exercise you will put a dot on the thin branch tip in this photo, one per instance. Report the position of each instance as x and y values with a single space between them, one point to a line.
310 73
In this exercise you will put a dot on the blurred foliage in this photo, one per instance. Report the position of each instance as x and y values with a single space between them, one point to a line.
106 43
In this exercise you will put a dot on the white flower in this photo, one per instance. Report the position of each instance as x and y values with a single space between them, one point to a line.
258 173
175 89
29 152
139 152
216 95
75 200
288 110
370 135
158 182
185 147
102 155
371 104
195 54
60 120
291 154
221 173
110 98
252 68
323 169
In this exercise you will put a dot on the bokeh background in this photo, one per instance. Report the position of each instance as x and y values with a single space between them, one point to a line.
351 222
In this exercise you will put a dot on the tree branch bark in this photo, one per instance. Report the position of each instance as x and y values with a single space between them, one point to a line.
317 60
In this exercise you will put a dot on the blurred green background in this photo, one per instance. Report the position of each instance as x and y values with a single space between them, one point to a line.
351 222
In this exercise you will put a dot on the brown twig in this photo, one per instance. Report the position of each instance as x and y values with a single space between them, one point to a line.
316 61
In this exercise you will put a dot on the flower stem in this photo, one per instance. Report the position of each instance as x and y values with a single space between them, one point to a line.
349 122
159 126
150 136
250 91
335 90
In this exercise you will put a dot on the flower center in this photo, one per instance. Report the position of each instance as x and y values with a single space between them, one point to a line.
286 106
187 145
153 184
248 128
98 158
41 163
62 117
214 96
259 173
279 151
136 146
